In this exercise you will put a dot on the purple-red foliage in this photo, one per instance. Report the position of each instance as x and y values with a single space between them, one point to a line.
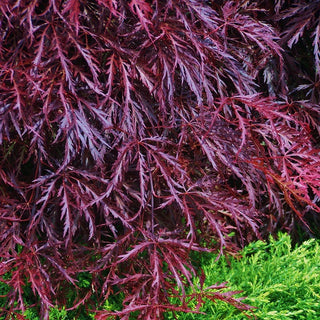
132 132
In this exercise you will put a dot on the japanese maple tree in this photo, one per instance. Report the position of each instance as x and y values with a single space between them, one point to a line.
132 132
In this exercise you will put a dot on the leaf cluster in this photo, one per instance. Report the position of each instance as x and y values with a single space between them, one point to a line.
134 132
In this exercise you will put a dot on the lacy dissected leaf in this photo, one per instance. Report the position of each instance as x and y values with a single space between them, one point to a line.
132 132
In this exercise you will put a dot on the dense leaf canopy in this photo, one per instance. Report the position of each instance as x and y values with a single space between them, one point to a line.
132 132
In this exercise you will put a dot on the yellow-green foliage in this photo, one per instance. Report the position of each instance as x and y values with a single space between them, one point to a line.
281 281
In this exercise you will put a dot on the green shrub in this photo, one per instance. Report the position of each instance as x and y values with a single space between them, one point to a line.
60 314
280 281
